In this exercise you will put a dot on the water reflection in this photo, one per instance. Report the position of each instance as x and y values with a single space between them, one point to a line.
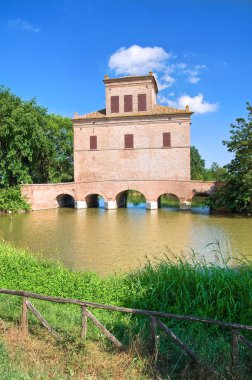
107 241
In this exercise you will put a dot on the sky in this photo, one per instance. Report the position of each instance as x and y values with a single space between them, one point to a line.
200 52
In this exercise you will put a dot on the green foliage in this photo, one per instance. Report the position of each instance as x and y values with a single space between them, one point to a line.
220 292
200 172
236 194
197 164
36 147
11 200
215 173
169 200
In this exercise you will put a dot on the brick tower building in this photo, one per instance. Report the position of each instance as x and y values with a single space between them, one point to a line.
132 144
133 138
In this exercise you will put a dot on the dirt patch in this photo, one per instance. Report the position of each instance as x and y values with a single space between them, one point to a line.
40 357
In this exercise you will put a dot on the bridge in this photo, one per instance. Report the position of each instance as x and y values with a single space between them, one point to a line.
85 194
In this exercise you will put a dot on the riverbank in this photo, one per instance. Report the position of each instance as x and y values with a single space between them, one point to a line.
213 291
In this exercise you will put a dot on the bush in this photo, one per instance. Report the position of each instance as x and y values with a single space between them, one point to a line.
12 200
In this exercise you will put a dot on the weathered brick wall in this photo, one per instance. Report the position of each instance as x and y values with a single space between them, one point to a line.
147 161
130 88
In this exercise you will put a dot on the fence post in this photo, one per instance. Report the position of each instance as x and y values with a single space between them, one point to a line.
234 352
84 323
24 319
154 338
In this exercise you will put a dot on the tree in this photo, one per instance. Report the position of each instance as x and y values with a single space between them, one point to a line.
236 194
35 147
200 172
215 173
197 164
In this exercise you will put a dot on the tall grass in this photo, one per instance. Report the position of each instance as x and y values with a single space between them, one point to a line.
216 291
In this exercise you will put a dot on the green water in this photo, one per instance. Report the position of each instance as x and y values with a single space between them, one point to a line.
117 240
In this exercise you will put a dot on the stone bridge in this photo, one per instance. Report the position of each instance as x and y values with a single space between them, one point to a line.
85 194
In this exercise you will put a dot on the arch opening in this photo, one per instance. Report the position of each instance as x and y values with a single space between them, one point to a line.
200 200
200 203
95 201
130 199
65 200
168 200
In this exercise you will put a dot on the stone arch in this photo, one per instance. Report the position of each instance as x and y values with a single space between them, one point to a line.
136 197
95 200
168 200
65 200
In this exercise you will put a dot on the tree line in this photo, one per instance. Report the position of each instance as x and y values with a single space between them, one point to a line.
199 170
37 147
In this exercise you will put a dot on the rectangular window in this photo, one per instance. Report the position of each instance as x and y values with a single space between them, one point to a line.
114 104
129 141
93 142
166 140
141 102
127 103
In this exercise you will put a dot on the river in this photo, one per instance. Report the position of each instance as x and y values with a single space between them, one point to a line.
119 240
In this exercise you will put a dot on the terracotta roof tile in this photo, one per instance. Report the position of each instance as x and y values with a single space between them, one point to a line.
157 110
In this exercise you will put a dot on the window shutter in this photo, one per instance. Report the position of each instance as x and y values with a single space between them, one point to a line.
127 103
141 102
166 139
129 141
114 104
93 142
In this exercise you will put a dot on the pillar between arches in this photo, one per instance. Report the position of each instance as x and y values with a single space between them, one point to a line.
110 205
80 204
185 205
151 205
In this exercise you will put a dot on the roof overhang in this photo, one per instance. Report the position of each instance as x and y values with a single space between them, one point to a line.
133 79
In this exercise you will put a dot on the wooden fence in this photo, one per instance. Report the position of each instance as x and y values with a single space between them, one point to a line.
155 323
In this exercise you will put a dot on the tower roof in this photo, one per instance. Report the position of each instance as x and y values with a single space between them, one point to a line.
132 78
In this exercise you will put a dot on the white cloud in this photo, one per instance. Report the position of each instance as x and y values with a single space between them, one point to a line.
196 103
181 65
163 99
165 82
18 23
194 80
193 73
168 79
137 60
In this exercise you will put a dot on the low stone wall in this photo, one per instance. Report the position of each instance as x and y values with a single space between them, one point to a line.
44 196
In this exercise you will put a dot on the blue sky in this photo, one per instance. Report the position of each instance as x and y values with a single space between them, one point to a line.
201 51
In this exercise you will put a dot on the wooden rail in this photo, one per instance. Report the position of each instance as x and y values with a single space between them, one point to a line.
155 322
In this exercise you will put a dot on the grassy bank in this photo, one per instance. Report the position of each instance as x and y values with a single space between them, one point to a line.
211 291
